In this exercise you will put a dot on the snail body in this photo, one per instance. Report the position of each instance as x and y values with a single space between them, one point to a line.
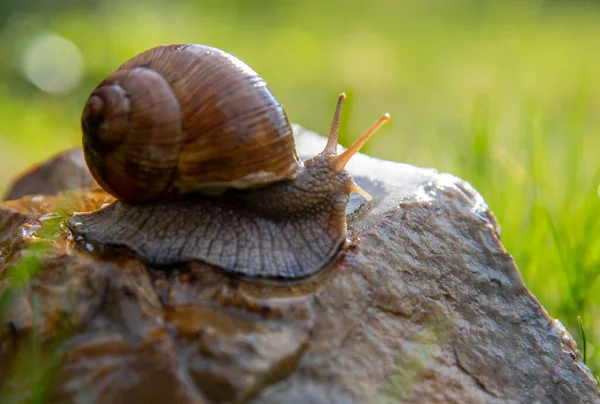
286 219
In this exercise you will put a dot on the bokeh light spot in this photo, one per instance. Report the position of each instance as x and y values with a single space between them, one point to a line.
53 63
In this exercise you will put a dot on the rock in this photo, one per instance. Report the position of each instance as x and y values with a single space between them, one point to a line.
424 305
65 171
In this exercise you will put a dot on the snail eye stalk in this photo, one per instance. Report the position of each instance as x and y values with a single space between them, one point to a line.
337 162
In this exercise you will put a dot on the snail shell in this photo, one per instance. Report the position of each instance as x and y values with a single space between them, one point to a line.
179 118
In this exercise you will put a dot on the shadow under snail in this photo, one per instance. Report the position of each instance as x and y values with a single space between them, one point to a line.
201 158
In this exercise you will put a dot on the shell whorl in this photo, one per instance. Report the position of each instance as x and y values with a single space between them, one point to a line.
132 135
225 128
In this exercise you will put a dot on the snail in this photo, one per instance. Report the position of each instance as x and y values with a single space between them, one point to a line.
201 158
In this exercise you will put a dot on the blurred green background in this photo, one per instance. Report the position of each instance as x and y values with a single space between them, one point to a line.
504 94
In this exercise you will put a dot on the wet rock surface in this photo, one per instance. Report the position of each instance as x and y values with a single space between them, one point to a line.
423 305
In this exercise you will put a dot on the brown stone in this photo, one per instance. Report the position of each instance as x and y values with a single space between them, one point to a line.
423 305
65 171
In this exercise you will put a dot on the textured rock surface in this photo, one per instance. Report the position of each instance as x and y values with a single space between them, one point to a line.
424 305
65 171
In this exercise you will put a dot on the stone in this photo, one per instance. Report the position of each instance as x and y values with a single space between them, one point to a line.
67 170
423 305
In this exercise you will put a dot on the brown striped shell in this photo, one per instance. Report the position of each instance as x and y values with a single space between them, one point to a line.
180 118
